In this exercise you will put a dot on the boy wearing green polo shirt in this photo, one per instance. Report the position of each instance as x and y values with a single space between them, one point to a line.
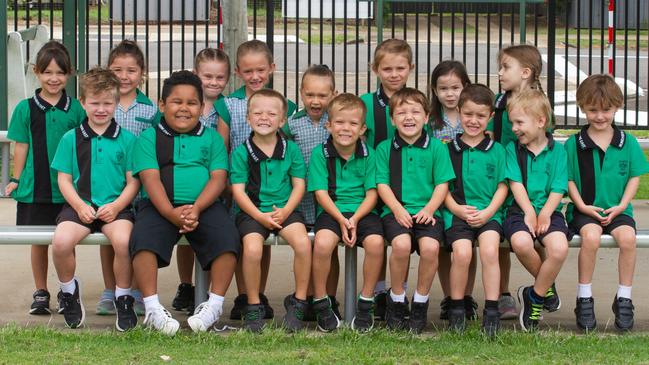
538 178
95 180
412 175
183 168
267 185
472 210
342 175
604 169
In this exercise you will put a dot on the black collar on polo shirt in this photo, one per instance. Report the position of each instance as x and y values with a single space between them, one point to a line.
585 142
257 154
63 104
170 132
550 141
331 152
381 97
111 132
501 102
421 142
484 145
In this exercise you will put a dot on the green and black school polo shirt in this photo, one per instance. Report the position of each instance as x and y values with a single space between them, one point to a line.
267 178
601 176
500 124
541 175
346 181
41 125
377 118
98 163
185 160
413 170
478 171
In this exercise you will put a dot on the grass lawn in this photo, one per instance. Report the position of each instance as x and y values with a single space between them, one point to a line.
643 190
40 345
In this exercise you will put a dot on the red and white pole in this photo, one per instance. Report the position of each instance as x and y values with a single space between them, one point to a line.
611 35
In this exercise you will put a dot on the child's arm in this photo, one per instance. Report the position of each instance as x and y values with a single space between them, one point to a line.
461 211
248 207
86 213
224 130
426 214
299 186
400 213
523 201
109 212
212 190
543 219
20 156
155 190
480 218
558 188
589 210
629 192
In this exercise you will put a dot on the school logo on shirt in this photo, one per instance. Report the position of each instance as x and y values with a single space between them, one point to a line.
623 167
119 156
491 169
204 154
548 168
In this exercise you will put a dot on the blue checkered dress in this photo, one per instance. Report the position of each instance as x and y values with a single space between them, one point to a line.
211 119
448 132
140 115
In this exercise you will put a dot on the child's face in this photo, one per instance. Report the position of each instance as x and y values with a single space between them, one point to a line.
214 76
182 108
448 90
128 72
100 107
254 70
316 94
474 118
265 115
393 71
346 126
52 79
512 75
526 126
599 117
409 119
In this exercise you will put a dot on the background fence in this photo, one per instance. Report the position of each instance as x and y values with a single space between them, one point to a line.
572 36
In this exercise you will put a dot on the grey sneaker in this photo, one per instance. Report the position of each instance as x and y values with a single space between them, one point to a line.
363 321
507 307
325 316
106 304
294 318
253 318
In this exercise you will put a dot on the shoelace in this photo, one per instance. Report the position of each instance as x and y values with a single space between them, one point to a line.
550 292
252 315
535 312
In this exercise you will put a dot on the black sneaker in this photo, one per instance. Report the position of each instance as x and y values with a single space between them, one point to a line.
552 302
585 313
530 312
490 321
418 317
126 317
444 306
380 304
239 309
294 318
325 316
335 306
310 315
253 320
363 321
73 311
268 310
184 300
457 319
41 303
395 314
470 308
623 309
59 297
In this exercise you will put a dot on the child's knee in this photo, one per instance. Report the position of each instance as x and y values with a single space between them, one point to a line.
253 251
522 243
462 255
401 247
373 245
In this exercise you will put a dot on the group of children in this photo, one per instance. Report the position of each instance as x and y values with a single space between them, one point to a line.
434 177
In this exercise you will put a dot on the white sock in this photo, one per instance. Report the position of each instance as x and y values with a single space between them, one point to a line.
584 290
380 287
405 285
366 299
215 301
624 291
68 287
398 297
122 291
151 303
418 298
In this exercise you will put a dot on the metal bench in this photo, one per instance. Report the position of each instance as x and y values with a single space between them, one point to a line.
42 235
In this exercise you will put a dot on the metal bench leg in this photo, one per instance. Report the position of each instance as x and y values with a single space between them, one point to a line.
350 284
202 283
5 164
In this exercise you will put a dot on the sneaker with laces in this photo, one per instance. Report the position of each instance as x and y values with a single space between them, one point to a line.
41 302
490 321
268 310
363 321
294 318
239 308
161 320
507 307
126 317
552 302
138 306
418 316
585 314
204 317
73 311
380 304
184 299
444 306
530 312
106 303
325 316
470 308
253 319
623 310
457 319
395 314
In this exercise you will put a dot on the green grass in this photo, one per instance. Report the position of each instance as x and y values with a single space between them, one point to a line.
643 190
635 132
39 345
57 15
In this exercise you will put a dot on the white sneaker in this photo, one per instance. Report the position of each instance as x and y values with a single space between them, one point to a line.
161 320
204 317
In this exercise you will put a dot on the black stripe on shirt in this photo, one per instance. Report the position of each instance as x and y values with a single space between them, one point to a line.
84 163
41 161
396 172
164 150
